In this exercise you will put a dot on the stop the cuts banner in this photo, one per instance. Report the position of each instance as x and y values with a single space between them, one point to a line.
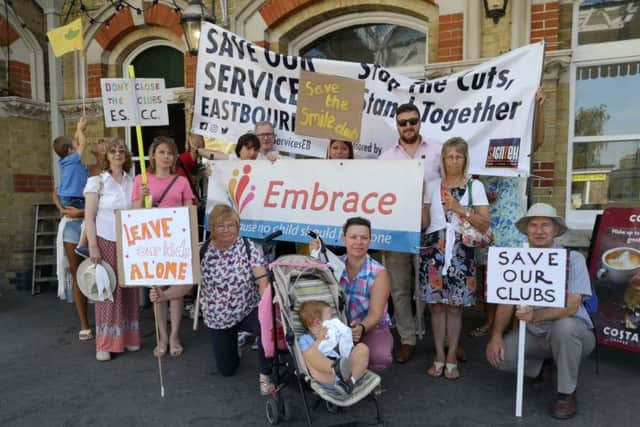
490 105
297 196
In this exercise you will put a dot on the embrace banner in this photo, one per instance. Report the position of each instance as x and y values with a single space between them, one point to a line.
298 196
491 105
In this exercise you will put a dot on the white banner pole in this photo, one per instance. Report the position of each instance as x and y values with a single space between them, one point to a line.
520 373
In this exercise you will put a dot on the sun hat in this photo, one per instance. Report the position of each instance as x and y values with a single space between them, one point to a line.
541 210
96 281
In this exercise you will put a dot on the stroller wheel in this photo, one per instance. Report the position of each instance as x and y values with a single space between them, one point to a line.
273 414
331 408
285 410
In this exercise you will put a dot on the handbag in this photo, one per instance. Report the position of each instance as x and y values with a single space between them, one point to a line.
471 236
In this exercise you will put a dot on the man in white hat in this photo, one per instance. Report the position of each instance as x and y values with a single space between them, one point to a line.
562 334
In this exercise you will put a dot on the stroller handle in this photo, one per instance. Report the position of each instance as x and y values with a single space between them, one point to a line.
273 235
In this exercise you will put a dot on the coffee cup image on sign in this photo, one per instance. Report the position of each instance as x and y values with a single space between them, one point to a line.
618 264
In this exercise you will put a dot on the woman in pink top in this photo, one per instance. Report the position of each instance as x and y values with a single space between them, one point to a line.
163 154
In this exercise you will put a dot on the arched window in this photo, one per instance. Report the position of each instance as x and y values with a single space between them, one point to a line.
388 45
161 62
159 59
393 40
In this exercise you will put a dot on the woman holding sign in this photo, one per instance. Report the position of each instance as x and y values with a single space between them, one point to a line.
117 327
166 190
447 270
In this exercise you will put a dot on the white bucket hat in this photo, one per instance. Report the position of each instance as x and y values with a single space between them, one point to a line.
96 281
541 210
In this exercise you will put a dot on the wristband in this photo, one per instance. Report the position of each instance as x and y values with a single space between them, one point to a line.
364 330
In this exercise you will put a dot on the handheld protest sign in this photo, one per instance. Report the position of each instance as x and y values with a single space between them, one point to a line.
329 106
526 277
158 247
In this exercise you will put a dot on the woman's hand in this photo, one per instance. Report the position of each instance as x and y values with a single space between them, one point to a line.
356 331
540 96
94 254
144 190
314 245
156 295
451 204
72 212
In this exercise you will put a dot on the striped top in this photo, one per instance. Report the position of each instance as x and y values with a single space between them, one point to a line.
358 291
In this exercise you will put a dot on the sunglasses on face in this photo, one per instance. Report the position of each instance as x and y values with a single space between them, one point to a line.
412 121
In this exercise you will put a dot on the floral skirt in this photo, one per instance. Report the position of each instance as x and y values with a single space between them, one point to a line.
458 285
117 322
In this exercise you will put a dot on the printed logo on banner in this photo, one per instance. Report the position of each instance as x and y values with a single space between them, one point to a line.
503 153
238 193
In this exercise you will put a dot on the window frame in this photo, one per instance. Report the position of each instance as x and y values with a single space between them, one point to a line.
594 54
353 19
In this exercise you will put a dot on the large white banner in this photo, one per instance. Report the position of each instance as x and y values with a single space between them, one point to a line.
491 105
298 196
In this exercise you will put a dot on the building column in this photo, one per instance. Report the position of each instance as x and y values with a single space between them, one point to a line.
520 23
52 10
472 29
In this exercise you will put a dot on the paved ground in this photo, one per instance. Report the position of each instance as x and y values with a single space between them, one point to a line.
49 378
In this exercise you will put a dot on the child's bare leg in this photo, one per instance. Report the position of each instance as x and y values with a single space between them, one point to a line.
320 366
359 360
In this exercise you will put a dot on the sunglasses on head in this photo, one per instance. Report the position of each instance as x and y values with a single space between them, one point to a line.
412 121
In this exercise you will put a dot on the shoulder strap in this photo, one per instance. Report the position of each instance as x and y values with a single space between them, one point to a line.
247 249
203 248
469 190
166 190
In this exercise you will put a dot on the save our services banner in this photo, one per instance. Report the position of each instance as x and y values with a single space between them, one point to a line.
491 105
297 196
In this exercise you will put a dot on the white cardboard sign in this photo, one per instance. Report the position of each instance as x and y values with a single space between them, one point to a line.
157 247
132 102
527 276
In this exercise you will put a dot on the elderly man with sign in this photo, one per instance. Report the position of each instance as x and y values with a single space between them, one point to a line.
564 334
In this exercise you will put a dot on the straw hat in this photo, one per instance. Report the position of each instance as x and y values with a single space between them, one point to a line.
541 210
94 278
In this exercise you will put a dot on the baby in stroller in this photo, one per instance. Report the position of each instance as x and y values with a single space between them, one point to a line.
328 350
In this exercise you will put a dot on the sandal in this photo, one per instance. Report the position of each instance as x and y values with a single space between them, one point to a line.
175 350
266 385
85 335
482 331
436 369
452 372
160 350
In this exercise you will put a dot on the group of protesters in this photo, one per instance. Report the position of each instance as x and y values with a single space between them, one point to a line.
234 275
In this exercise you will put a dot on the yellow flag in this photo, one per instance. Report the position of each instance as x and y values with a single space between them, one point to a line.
66 38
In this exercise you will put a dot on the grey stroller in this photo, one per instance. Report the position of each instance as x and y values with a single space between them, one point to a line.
296 279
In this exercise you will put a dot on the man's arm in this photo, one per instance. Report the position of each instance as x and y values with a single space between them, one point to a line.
495 347
528 314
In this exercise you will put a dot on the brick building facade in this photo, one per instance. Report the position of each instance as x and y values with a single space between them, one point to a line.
587 45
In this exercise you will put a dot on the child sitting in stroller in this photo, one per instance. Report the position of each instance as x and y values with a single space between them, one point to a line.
328 349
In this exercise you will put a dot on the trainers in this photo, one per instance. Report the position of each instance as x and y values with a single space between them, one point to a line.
342 369
103 356
266 385
83 251
343 386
